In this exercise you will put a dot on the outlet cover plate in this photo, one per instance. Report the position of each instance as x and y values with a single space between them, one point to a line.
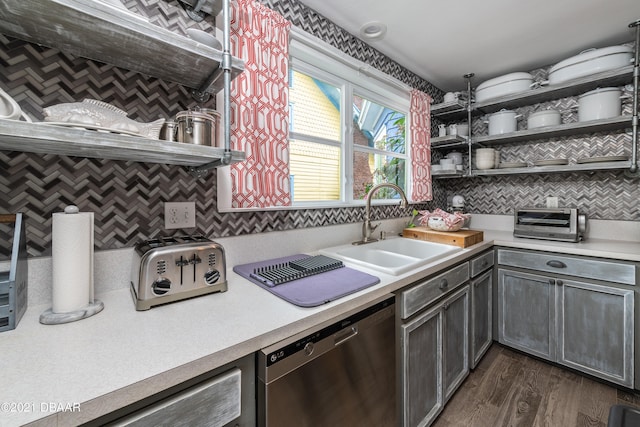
179 215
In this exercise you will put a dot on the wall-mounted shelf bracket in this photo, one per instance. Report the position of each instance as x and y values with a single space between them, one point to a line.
200 171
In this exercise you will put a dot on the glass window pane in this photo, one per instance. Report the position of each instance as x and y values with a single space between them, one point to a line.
370 169
377 126
315 171
314 107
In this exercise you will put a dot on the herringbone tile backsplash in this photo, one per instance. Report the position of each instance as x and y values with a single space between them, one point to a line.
127 197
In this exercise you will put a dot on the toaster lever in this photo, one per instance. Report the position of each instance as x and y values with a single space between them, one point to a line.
195 260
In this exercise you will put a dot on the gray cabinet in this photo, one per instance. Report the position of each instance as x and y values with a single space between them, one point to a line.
579 322
481 314
595 330
434 344
455 330
526 312
421 346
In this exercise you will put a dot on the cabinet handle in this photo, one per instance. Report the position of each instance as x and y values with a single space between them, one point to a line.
556 264
475 285
559 282
446 307
443 284
552 282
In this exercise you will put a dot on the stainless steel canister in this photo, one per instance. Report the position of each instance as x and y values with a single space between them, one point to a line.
198 127
168 132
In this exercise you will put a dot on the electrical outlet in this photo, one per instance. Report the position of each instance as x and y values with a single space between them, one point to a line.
552 202
179 215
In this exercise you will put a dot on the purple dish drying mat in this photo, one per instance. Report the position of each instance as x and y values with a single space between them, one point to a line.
314 290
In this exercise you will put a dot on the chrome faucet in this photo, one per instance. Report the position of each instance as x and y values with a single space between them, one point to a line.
367 228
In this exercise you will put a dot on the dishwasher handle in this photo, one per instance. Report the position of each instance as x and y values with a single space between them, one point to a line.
345 335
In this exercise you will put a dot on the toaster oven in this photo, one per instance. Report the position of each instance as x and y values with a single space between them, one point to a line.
563 224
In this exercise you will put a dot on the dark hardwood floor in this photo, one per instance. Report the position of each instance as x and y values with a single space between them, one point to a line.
508 388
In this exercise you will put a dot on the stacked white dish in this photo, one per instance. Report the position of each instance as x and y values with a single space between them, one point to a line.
485 158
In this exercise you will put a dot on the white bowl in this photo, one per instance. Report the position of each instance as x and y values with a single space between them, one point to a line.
438 224
484 163
436 168
449 166
445 162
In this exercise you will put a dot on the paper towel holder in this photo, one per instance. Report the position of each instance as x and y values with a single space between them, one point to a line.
94 306
50 318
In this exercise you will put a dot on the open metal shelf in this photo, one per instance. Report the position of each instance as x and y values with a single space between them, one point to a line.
117 36
50 139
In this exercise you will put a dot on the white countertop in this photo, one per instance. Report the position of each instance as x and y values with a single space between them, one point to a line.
121 355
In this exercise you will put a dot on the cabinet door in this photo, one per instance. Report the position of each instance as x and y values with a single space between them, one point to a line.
455 362
481 316
421 349
526 312
595 330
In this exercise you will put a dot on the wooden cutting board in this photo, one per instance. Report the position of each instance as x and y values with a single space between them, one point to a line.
461 238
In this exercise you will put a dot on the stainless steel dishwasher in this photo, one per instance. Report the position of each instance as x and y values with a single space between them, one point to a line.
343 374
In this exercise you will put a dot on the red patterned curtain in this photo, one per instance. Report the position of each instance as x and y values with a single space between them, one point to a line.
420 131
260 106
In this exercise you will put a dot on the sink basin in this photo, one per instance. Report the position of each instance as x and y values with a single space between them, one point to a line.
391 256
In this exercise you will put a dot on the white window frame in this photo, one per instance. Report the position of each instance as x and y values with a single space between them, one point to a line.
312 56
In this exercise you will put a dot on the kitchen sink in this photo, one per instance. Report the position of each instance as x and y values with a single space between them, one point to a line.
392 256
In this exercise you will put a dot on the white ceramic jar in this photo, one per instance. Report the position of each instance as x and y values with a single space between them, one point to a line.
602 103
455 156
463 129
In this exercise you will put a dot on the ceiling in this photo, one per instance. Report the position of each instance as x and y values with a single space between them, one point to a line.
441 40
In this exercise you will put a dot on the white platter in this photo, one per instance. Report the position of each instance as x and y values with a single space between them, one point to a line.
602 159
551 162
90 127
509 165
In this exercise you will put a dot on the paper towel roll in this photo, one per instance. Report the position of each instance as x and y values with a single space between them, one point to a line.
72 257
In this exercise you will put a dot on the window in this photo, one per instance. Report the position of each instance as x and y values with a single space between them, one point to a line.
379 148
315 142
346 131
347 127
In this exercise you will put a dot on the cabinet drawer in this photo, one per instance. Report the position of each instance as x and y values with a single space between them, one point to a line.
424 293
215 402
481 263
589 268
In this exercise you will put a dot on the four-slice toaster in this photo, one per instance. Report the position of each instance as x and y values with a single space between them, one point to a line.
174 268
